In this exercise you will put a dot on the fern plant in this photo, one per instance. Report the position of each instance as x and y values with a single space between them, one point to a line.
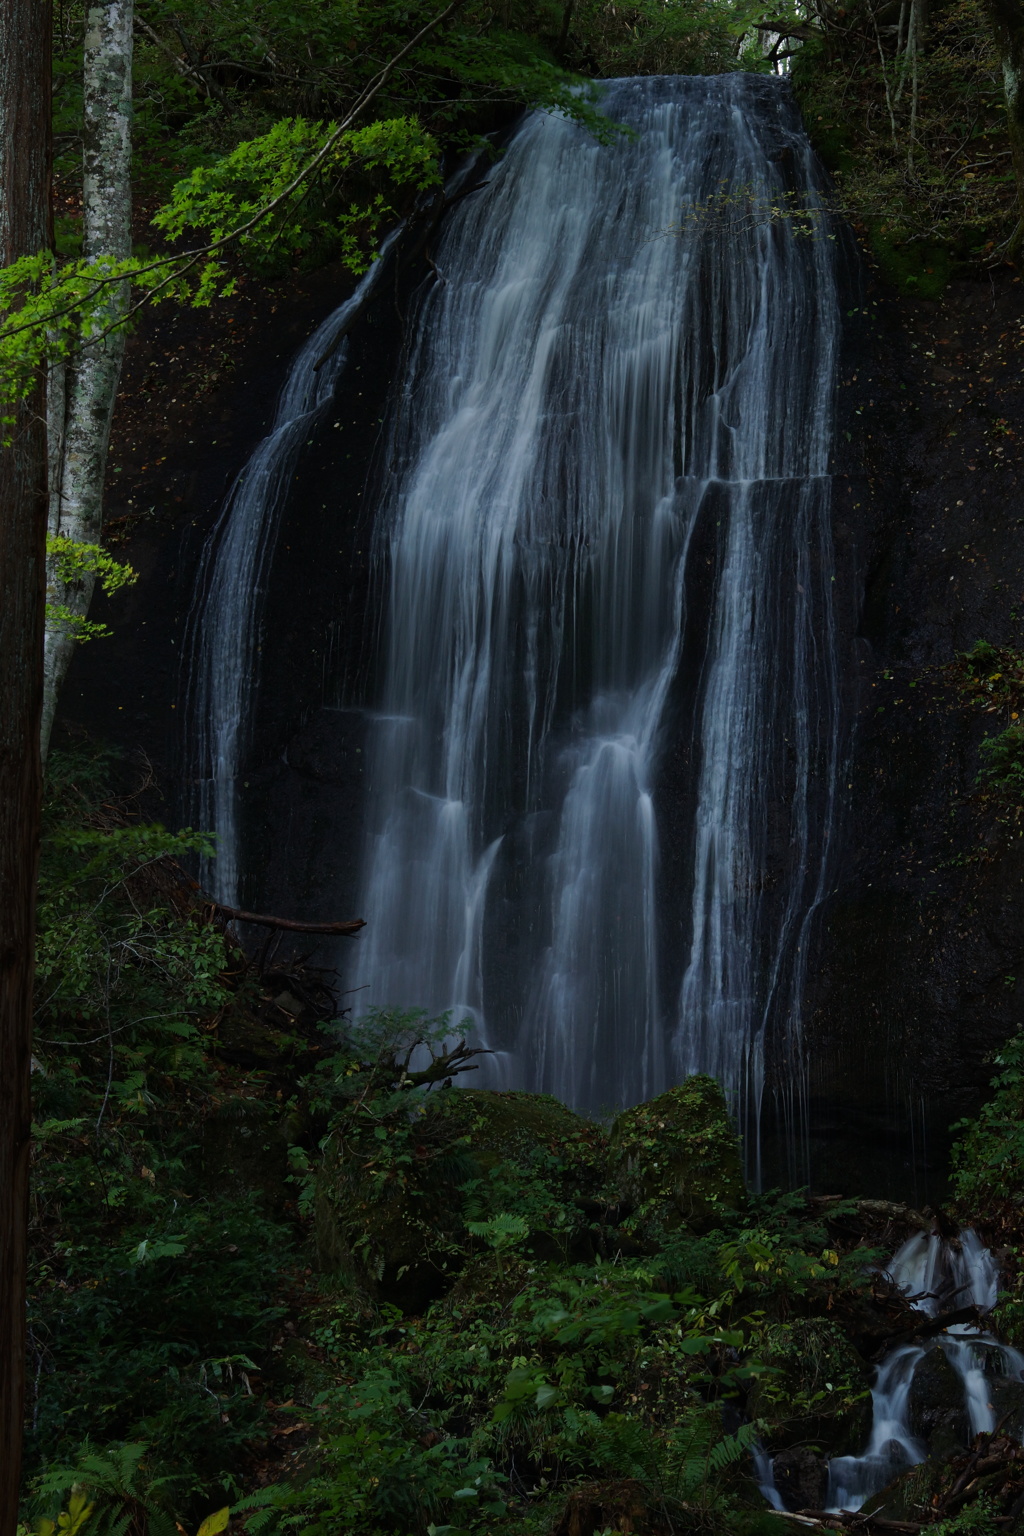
107 1493
685 1468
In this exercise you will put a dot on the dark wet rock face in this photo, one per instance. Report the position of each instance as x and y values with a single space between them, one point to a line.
920 954
1007 1397
937 1412
801 1477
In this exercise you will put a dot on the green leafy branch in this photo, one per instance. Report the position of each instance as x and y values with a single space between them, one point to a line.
71 561
53 310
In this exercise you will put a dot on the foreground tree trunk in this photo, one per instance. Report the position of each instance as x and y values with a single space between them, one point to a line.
24 230
1006 18
83 395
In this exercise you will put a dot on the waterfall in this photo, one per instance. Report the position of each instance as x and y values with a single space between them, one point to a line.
223 645
937 1276
603 754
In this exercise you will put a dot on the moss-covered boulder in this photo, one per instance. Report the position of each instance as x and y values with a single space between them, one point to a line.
676 1159
539 1164
388 1209
412 1185
512 1127
912 1495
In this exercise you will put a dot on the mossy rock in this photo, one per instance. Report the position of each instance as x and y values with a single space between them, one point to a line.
509 1125
909 1496
677 1157
817 1387
539 1161
388 1208
398 1228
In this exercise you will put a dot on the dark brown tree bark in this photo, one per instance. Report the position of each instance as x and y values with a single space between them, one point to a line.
24 230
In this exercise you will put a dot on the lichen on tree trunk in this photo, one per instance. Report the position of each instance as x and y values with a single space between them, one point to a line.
79 423
1006 18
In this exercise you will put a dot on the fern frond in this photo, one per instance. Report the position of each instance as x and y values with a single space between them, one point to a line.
733 1448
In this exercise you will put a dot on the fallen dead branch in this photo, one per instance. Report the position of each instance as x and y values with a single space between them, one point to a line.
345 930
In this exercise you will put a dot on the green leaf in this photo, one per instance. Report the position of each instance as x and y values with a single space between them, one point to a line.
215 1523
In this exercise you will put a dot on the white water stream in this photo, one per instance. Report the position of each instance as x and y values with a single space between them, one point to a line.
223 644
937 1276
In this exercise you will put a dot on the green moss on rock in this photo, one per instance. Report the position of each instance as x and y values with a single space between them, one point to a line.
677 1157
397 1189
388 1210
511 1126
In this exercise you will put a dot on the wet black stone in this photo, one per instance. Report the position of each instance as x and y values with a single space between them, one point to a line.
801 1477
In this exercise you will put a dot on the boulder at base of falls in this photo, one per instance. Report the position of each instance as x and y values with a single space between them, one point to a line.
512 1127
677 1157
801 1478
936 1411
537 1160
409 1182
909 1496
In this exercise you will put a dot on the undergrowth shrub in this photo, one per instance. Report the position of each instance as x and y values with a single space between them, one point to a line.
149 1291
510 1304
915 138
988 1179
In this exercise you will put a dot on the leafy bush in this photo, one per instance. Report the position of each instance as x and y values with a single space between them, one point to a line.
505 1313
648 38
1003 762
149 1292
914 132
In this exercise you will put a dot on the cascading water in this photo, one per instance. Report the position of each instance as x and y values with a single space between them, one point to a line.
607 554
222 645
937 1276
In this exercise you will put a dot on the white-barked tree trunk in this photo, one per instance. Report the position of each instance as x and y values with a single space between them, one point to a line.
83 390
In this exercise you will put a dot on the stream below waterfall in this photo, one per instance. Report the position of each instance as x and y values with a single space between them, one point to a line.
937 1276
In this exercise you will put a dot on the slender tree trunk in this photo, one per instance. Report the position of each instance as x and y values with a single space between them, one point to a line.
80 434
24 230
1006 18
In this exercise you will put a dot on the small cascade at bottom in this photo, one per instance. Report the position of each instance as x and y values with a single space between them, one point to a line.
938 1277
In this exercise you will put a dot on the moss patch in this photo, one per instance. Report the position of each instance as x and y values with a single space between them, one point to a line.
678 1155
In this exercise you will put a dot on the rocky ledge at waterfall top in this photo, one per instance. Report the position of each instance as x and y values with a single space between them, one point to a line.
920 955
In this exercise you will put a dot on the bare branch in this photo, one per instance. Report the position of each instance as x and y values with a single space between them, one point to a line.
344 930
